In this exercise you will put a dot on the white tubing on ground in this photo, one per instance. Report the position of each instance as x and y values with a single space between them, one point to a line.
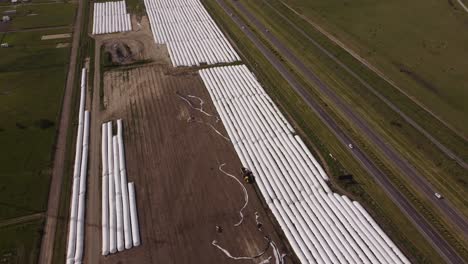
321 227
191 35
110 17
134 215
123 184
112 208
72 232
118 196
82 193
105 193
246 195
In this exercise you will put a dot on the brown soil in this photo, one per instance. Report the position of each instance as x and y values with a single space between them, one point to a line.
181 194
123 52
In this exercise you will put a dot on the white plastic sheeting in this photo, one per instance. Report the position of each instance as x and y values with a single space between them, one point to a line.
111 17
117 208
123 184
105 193
321 226
191 35
77 208
134 215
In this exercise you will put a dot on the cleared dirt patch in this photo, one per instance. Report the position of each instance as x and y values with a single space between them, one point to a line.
173 154
56 36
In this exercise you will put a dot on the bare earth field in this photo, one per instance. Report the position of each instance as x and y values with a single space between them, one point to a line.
173 153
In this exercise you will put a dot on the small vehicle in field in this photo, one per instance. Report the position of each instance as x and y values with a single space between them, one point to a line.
438 195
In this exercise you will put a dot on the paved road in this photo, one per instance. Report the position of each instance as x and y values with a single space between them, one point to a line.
374 91
418 180
445 250
47 244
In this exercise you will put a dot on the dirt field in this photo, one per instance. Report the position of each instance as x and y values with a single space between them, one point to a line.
182 195
173 154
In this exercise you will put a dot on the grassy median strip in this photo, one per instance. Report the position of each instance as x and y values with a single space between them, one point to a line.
444 173
364 189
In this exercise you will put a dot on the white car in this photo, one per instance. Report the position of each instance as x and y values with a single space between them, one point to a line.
438 195
351 146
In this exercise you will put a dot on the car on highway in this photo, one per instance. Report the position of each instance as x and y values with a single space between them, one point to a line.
438 195
350 146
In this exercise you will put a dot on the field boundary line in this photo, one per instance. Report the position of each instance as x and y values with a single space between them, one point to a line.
21 219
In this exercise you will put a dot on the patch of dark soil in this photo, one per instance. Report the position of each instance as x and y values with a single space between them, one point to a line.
122 52
20 126
44 123
426 84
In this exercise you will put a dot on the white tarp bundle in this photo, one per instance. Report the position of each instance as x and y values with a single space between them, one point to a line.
111 17
191 35
321 226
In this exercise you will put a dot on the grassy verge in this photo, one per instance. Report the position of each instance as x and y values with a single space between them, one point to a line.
22 245
425 207
364 189
445 174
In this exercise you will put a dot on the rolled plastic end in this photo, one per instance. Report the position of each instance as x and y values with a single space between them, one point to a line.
120 248
128 245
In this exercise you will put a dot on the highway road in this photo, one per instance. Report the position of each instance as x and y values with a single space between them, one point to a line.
418 180
374 91
439 243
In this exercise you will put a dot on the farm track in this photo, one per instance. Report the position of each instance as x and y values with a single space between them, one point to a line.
400 200
47 243
37 29
21 219
374 91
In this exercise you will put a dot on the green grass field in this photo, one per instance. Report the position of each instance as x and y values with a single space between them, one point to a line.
442 172
20 243
365 189
447 176
421 45
40 16
29 103
32 78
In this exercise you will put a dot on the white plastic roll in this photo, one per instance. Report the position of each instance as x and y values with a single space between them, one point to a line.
118 196
123 183
112 208
105 193
134 215
82 194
